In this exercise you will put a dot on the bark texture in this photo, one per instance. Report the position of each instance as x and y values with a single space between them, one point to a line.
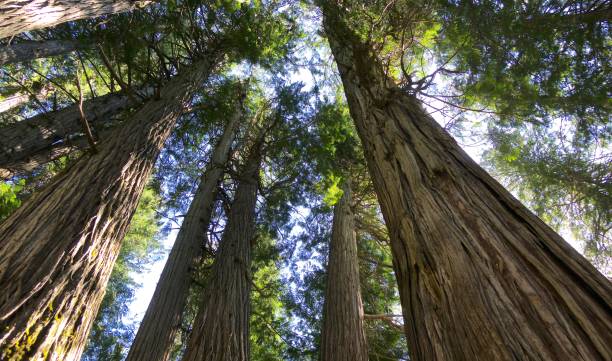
57 251
30 50
30 143
343 337
159 326
17 16
480 277
221 328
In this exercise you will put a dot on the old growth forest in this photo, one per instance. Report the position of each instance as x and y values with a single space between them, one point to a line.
301 180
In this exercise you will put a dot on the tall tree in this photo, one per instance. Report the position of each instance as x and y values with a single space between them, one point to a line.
480 277
568 187
540 70
30 50
157 330
343 336
32 142
58 249
221 328
19 16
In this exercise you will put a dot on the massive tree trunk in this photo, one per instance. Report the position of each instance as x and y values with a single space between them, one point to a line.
480 277
30 50
57 251
17 16
343 337
221 328
27 144
157 330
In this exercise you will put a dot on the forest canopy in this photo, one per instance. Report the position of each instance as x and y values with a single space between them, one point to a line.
305 180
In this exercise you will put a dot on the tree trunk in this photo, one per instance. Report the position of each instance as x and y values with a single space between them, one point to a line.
30 50
343 337
13 100
32 142
221 328
57 251
480 277
20 98
17 16
158 328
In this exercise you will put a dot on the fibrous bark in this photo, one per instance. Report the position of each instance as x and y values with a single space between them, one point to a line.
32 142
221 328
57 251
480 277
343 337
160 324
30 50
17 16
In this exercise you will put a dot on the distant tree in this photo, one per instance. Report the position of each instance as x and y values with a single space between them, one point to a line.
221 328
343 335
159 326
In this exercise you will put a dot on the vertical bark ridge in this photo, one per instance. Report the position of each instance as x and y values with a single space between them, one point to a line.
27 144
221 328
158 328
480 277
343 336
17 16
57 251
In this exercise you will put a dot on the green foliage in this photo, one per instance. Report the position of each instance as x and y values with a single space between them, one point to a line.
9 200
531 62
334 149
567 187
267 313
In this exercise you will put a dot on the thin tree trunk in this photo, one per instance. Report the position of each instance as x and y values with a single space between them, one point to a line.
57 251
158 328
343 337
30 50
20 98
13 100
17 16
32 142
221 328
480 277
